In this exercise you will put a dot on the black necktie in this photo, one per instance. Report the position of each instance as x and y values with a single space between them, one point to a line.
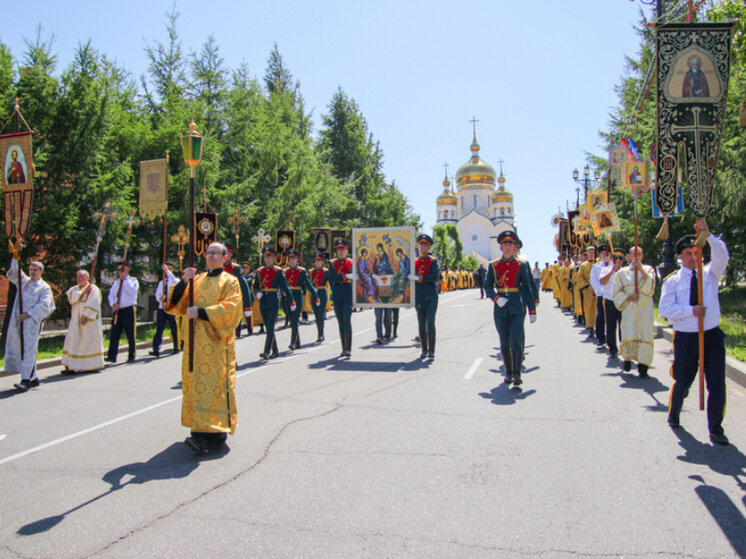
693 298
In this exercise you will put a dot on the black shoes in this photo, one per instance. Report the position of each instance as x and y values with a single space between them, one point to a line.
719 438
673 422
517 380
198 446
110 360
131 360
508 378
379 341
154 353
627 366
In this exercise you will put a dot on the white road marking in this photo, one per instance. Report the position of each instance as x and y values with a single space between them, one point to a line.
2 437
473 368
149 408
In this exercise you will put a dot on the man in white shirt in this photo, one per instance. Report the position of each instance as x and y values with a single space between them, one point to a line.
598 289
680 304
613 316
162 317
123 300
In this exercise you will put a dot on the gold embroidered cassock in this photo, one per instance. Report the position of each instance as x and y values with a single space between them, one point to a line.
556 288
583 276
563 275
83 349
637 316
208 404
577 305
546 279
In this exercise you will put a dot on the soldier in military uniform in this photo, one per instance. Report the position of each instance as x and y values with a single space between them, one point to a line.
426 295
319 279
298 282
243 283
268 281
508 285
340 277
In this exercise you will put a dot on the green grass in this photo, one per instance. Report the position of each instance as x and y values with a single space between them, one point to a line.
732 320
52 347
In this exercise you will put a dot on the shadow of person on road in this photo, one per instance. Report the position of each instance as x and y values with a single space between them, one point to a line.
505 395
650 385
724 460
725 512
336 364
175 462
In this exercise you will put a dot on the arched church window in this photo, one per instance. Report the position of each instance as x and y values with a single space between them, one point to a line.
508 211
502 211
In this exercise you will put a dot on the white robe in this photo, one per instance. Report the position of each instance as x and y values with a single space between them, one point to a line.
38 303
84 343
637 316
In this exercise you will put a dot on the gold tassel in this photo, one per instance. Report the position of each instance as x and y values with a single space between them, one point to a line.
664 233
742 116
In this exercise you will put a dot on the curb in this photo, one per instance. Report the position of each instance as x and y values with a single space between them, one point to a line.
734 369
57 361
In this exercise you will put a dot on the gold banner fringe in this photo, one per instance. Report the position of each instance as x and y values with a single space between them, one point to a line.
664 232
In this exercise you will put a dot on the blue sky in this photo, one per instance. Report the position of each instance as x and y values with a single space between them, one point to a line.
538 75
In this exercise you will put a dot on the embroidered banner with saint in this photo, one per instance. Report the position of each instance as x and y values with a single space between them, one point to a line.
693 70
18 189
205 226
322 241
153 188
284 241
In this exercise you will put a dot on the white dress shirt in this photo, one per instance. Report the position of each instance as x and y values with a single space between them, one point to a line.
607 289
170 282
595 280
674 303
129 293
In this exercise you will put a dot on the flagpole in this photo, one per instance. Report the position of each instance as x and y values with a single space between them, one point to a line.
701 331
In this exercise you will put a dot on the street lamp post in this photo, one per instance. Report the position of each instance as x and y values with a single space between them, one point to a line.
586 181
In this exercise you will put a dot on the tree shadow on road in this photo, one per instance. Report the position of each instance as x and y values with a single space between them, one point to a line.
175 462
504 395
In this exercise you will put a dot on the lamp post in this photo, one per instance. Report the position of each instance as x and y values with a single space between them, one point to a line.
586 180
192 144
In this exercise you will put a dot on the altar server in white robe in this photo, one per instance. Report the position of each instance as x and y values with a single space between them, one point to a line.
38 304
84 342
636 306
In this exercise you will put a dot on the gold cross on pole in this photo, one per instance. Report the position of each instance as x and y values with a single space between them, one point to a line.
260 238
130 222
236 220
181 237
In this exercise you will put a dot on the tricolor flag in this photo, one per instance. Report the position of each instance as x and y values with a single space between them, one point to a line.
633 149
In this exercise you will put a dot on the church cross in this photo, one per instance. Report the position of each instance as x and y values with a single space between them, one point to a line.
501 165
446 167
474 121
180 238
696 129
260 238
130 222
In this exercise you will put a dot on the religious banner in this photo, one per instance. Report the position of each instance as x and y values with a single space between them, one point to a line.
18 189
340 234
679 204
693 71
284 241
205 228
564 236
572 219
322 241
153 188
606 220
635 177
383 258
617 158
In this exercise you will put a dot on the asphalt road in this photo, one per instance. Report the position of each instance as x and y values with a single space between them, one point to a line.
379 456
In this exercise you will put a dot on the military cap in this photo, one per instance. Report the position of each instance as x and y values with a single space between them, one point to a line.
507 236
590 247
425 239
341 243
318 255
687 241
620 254
519 243
269 250
603 247
292 252
229 246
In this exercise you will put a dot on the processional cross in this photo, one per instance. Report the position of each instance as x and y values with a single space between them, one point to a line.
181 237
236 220
260 238
130 222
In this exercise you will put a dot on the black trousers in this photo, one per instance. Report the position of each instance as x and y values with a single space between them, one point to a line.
600 320
613 322
125 321
684 371
163 318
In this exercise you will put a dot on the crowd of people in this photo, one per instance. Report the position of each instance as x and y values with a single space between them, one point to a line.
611 294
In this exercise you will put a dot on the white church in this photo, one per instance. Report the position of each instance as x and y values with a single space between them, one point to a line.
479 211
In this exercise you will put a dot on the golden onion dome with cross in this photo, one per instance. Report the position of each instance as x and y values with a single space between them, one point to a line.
447 198
475 173
502 195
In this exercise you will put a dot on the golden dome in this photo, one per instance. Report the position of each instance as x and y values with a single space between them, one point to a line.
475 172
447 198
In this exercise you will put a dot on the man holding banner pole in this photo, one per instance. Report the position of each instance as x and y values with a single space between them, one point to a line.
687 307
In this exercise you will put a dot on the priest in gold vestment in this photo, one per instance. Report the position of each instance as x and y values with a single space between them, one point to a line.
208 404
83 349
637 312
